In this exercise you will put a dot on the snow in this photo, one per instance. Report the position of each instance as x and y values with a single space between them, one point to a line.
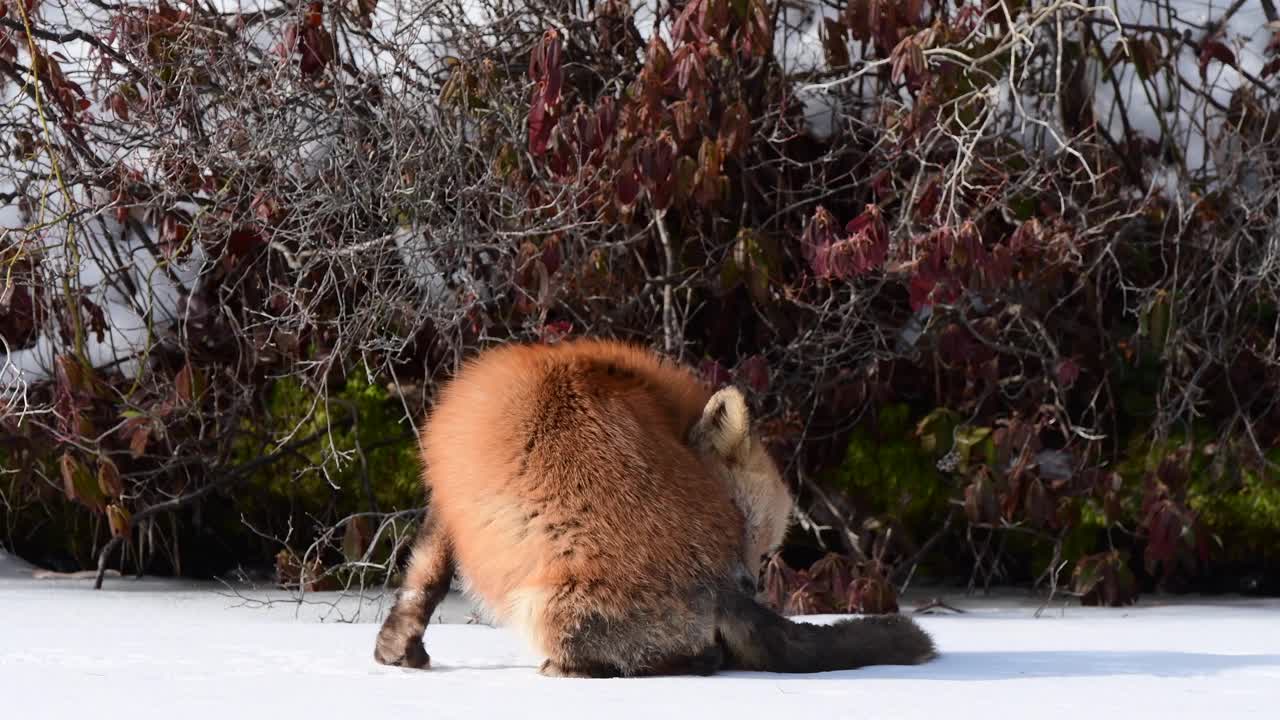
107 253
12 567
155 648
1195 128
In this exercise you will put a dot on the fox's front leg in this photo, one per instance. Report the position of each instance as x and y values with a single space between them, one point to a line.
425 584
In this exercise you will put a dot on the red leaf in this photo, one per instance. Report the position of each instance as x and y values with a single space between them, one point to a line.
318 50
549 70
539 126
555 332
908 61
777 578
184 383
868 241
606 118
266 207
657 164
872 594
562 153
857 17
172 232
1068 371
698 19
686 116
1026 239
690 73
551 254
315 14
928 200
627 184
831 578
1104 579
1040 509
866 248
754 371
546 72
709 177
109 478
8 50
816 241
119 105
955 345
735 129
756 38
119 521
913 11
138 430
1215 50
78 484
242 242
980 503
801 601
714 373
657 68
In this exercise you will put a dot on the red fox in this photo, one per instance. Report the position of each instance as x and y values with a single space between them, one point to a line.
607 505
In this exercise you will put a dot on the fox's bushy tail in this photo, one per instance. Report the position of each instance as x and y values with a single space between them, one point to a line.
756 638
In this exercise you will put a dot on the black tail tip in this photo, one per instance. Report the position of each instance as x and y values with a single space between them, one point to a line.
891 639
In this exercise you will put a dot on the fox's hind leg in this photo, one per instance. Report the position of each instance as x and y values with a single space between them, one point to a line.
553 668
426 581
705 662
584 634
708 661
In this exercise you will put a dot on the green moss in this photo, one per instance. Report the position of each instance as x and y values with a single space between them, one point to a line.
1083 539
891 471
329 472
1242 510
1239 505
889 467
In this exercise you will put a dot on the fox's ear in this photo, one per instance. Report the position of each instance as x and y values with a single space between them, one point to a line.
725 425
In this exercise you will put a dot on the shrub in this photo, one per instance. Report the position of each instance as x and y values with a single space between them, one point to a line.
984 290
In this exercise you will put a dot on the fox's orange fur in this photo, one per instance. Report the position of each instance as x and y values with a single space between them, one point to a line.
611 508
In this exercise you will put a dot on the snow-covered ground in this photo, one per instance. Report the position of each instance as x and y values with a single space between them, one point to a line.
162 649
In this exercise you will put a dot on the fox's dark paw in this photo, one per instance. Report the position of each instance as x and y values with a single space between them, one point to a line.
399 648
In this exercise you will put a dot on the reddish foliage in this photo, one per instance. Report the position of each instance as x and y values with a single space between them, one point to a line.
714 374
1068 372
547 76
753 372
556 331
862 250
1176 539
656 165
1211 50
1105 579
833 584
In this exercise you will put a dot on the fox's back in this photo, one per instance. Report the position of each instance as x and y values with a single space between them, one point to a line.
554 466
